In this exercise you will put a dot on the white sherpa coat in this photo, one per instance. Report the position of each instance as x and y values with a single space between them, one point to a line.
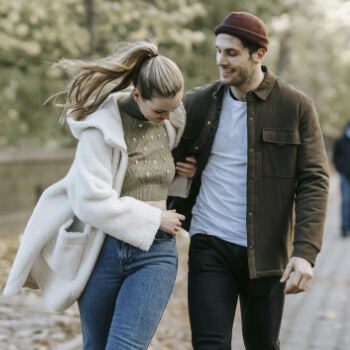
61 261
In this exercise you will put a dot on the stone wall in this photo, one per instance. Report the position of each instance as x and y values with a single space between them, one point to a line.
24 175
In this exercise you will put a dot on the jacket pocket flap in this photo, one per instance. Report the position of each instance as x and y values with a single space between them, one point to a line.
281 137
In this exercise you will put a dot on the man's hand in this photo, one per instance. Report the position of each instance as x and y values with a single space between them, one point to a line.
298 275
187 169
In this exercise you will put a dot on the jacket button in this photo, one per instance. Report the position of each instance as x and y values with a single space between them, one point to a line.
251 150
196 148
209 122
251 118
251 246
251 181
250 214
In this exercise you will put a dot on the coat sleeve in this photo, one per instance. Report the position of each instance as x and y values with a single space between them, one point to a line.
95 201
311 187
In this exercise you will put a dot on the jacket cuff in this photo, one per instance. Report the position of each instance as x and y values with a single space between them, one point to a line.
152 226
307 251
149 218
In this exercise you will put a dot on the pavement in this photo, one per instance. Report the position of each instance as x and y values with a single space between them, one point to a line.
317 319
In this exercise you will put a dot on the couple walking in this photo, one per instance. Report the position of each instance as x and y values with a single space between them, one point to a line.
251 187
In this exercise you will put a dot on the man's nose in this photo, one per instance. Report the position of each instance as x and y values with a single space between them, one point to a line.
221 60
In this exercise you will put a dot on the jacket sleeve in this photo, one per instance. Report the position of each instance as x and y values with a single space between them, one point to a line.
311 187
95 201
191 130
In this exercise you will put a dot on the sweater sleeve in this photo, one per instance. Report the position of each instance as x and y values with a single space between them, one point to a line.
95 201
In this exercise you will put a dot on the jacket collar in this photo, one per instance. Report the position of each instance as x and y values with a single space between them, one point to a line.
262 91
107 119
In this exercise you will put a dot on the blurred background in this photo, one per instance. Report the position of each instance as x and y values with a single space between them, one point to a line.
309 48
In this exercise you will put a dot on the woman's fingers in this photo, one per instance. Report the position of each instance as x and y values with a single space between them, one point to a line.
181 217
186 169
185 166
192 160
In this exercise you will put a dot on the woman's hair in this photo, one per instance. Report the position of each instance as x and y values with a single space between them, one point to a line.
133 63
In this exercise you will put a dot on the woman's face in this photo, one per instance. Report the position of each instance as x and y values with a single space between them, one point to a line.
158 108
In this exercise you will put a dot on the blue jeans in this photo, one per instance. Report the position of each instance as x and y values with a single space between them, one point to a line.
127 293
345 204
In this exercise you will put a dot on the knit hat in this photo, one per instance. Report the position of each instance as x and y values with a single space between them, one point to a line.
246 26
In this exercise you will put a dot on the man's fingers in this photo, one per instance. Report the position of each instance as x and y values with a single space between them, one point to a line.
305 282
286 273
292 286
298 275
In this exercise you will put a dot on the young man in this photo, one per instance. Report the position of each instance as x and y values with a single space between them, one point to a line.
258 199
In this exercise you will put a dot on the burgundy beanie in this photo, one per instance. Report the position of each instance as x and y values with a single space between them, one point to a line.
246 26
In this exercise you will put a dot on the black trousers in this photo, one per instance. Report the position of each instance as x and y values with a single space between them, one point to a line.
218 274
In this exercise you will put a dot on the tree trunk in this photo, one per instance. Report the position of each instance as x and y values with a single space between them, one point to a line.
284 53
89 9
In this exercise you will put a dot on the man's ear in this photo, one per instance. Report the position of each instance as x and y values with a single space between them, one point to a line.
136 94
258 55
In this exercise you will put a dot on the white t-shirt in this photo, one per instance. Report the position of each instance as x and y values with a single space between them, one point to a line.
220 208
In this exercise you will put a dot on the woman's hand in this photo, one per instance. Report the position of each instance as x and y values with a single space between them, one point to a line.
187 169
171 221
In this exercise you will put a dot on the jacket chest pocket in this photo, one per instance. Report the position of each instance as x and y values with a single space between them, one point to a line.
279 152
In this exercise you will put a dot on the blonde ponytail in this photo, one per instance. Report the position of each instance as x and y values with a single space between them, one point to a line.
133 63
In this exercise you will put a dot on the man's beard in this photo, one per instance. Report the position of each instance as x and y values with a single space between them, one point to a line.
240 78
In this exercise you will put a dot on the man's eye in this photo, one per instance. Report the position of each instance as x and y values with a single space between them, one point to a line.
158 112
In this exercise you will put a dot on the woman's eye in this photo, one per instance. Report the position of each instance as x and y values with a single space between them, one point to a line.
158 112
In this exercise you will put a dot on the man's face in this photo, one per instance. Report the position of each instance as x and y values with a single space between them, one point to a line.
234 61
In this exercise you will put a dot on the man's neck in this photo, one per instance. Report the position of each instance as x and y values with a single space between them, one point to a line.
240 92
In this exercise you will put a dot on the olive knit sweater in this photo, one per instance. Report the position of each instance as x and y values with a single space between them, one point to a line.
150 168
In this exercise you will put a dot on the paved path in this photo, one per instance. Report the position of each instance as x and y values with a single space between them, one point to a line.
317 319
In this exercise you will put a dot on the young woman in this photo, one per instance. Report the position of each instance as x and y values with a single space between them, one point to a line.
102 235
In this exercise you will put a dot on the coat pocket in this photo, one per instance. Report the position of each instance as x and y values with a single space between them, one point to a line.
279 152
64 254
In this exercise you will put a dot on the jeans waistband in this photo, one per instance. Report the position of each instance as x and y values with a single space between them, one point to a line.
164 235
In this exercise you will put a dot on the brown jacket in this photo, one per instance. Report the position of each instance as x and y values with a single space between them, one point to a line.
287 171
